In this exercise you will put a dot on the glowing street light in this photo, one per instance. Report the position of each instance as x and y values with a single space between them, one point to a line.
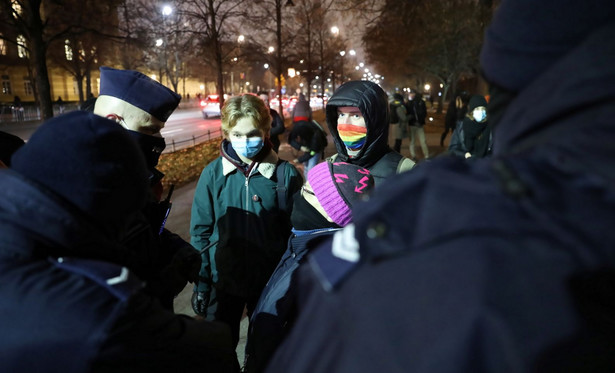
241 38
266 66
342 53
271 49
335 30
159 42
352 52
167 10
427 87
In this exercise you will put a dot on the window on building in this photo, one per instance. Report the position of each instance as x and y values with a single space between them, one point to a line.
68 51
27 86
22 47
16 7
2 46
6 85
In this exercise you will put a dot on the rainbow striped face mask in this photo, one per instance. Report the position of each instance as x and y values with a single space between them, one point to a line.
352 136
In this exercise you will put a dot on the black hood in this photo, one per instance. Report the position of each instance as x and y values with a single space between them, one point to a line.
374 105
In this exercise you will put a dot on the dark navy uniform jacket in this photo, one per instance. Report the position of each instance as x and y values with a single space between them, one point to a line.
503 264
65 306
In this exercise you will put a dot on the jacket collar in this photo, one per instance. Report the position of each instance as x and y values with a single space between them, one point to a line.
265 167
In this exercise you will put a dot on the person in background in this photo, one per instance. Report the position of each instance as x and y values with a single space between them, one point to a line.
321 208
358 119
457 109
277 123
9 144
165 260
241 214
60 104
302 110
401 127
417 112
476 129
311 139
503 264
67 301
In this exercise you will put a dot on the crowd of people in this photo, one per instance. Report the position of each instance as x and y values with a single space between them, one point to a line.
494 258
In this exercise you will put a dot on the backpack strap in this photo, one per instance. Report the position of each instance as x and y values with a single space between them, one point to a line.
281 187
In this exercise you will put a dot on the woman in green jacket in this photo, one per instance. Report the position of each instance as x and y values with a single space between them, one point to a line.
239 222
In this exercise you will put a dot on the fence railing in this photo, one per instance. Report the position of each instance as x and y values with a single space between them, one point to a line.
13 114
173 146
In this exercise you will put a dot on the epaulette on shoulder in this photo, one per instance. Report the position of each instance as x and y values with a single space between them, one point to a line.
118 280
332 263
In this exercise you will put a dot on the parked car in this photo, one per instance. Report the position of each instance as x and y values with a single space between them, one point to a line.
210 106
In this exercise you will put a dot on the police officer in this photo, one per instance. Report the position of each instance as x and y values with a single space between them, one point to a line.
520 277
142 106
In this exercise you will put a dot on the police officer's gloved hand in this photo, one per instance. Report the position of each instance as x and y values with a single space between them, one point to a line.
200 300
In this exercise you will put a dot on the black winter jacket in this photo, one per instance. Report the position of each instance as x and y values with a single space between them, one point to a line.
66 305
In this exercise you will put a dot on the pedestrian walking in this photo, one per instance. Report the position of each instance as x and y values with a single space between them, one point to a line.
418 112
277 123
302 110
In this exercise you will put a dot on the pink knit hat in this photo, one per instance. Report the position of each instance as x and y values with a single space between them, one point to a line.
338 186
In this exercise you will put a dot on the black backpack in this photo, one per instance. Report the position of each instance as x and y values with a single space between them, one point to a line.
393 117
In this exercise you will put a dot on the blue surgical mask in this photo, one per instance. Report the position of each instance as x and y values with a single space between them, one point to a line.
249 147
479 114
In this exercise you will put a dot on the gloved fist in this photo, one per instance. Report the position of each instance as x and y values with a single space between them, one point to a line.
200 301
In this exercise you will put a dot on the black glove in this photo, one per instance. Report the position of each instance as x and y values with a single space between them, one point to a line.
200 301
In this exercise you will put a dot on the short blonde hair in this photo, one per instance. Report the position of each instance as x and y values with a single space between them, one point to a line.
247 105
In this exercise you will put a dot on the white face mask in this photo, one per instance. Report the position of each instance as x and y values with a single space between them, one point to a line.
479 114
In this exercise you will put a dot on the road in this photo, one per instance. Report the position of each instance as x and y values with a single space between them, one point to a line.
184 128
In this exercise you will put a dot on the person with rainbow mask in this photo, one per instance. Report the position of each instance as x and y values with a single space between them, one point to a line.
358 119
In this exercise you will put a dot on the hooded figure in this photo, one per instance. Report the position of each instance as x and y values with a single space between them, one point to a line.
476 130
374 152
503 264
67 297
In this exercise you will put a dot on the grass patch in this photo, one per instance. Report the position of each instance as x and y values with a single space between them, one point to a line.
186 165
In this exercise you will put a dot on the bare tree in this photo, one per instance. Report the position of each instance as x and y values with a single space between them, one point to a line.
25 17
441 39
212 21
271 17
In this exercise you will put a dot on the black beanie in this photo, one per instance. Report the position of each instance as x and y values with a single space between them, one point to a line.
476 101
89 160
527 36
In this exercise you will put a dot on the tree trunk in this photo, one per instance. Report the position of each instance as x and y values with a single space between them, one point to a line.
88 84
38 58
41 76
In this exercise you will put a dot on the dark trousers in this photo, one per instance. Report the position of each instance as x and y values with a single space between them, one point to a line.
229 309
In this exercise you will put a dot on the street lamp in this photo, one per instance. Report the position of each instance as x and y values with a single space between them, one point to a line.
335 30
271 49
167 10
342 53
